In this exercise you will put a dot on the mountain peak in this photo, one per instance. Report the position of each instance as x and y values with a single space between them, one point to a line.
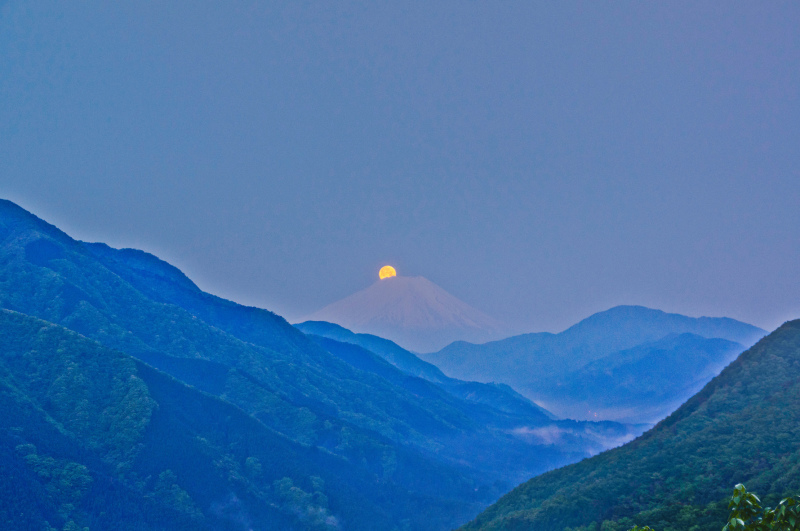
412 311
648 324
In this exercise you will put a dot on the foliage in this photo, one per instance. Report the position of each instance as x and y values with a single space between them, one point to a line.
747 514
169 493
67 482
95 395
312 508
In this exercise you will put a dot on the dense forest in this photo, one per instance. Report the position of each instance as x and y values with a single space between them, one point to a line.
93 438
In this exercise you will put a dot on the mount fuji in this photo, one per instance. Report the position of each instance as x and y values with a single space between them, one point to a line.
413 312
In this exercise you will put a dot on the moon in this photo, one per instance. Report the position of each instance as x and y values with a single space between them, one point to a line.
386 272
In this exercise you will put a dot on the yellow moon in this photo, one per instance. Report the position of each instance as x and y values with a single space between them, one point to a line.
386 272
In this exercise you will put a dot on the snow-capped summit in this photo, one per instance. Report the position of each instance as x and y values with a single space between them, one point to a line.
411 311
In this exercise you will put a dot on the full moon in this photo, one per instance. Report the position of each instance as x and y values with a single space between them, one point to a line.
386 272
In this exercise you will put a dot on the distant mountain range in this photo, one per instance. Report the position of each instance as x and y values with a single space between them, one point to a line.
411 311
628 363
742 427
134 400
644 383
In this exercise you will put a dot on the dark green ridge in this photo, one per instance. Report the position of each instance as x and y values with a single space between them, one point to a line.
742 427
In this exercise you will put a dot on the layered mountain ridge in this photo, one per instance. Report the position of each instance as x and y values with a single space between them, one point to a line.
499 396
582 371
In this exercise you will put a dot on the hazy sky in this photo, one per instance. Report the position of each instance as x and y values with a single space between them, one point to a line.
541 161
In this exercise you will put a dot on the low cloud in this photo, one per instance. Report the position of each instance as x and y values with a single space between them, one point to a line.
542 435
556 435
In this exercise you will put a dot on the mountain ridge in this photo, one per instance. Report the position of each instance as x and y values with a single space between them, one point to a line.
538 364
650 380
500 396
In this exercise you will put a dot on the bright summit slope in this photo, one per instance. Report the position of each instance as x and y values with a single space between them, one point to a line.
411 311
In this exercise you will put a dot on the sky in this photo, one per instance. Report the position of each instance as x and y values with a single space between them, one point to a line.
539 160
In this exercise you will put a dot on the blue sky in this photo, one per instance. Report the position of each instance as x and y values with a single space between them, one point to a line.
539 160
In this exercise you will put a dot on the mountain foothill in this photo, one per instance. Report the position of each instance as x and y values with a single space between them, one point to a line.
134 400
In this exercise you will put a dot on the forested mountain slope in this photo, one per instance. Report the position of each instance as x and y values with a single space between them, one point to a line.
742 427
94 436
409 449
389 437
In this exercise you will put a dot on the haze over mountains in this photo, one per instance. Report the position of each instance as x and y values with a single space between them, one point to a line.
543 162
292 431
411 311
628 363
132 399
